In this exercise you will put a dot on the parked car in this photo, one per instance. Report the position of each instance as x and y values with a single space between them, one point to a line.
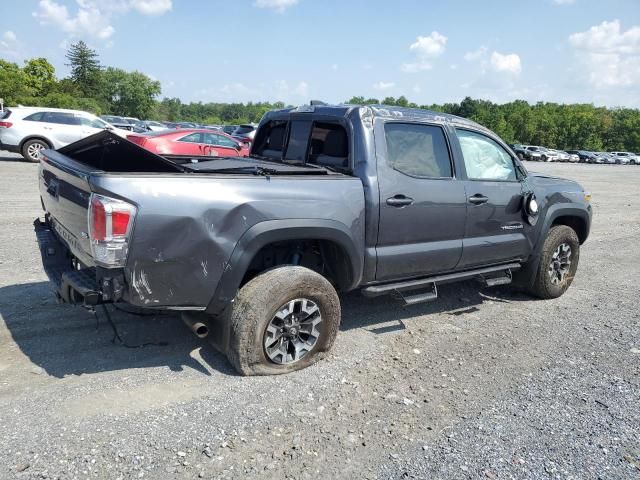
118 122
620 159
520 150
28 130
583 155
254 250
190 142
245 133
605 157
229 129
154 126
533 153
632 157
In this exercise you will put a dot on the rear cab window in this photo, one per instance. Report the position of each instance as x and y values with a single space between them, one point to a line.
322 143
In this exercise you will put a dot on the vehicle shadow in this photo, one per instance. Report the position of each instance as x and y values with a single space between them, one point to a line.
12 157
68 340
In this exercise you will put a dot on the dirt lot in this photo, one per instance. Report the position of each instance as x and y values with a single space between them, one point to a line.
480 384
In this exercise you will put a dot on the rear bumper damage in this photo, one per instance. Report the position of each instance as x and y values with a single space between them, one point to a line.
73 282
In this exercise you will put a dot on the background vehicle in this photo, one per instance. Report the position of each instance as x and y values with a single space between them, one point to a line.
190 142
533 153
245 133
118 122
154 126
332 198
520 150
632 157
229 129
27 130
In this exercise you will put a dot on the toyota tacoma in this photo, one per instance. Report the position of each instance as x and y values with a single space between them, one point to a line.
256 250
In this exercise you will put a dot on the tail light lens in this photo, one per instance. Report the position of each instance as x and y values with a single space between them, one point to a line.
110 225
6 124
137 139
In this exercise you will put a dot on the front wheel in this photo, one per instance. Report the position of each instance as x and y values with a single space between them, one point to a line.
558 264
282 320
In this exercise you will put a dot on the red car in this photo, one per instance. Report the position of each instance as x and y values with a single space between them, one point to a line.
191 142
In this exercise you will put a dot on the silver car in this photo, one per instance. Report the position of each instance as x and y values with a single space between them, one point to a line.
27 130
631 157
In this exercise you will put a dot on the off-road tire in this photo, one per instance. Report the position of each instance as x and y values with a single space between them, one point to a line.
256 304
29 146
542 286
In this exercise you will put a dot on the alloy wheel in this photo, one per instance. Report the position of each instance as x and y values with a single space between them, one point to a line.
293 331
560 264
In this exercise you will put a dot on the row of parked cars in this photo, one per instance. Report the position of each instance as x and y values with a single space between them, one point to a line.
542 154
28 130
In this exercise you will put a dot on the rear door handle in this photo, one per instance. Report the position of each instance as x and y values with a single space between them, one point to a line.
478 199
399 201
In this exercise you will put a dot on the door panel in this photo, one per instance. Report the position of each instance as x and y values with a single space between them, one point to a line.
422 205
496 230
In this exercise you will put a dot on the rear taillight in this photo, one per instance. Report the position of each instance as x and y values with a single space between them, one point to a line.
110 224
6 124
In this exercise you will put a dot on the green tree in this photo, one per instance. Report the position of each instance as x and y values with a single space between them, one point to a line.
85 68
13 83
40 76
130 94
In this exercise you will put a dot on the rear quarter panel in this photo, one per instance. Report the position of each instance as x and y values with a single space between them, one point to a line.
186 228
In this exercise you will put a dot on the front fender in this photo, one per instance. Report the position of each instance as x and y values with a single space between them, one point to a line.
264 233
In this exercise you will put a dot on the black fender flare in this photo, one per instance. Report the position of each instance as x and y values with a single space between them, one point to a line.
526 275
270 231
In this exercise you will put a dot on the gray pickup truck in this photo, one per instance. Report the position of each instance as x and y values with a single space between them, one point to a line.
332 198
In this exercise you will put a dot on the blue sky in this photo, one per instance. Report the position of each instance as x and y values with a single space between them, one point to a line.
294 50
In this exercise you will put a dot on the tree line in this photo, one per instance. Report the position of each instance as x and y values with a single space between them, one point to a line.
101 89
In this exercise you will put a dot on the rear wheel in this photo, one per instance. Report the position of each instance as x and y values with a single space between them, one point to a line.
559 262
31 149
282 320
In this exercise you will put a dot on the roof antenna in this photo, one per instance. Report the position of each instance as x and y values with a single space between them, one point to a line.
317 102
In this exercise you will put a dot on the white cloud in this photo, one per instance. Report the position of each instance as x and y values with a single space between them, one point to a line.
302 89
425 49
476 54
430 46
564 2
415 67
383 85
151 7
9 45
335 67
509 63
9 36
93 18
278 5
610 55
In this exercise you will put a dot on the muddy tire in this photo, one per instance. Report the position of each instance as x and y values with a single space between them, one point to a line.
558 264
31 149
283 320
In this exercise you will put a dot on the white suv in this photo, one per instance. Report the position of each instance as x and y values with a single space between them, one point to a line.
27 130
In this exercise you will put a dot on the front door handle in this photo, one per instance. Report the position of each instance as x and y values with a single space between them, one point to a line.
478 199
399 201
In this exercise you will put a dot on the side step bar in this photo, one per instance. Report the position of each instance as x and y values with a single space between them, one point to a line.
430 282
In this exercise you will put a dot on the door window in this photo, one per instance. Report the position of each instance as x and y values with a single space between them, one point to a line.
484 158
92 122
418 150
191 138
35 117
219 140
62 118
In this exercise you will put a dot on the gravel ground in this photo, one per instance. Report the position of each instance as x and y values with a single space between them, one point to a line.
480 384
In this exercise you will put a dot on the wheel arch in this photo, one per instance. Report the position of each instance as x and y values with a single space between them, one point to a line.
263 234
35 137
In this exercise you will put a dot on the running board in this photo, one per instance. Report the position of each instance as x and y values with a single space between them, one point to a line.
383 289
417 297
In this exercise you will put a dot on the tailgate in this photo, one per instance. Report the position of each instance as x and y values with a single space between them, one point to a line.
65 192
